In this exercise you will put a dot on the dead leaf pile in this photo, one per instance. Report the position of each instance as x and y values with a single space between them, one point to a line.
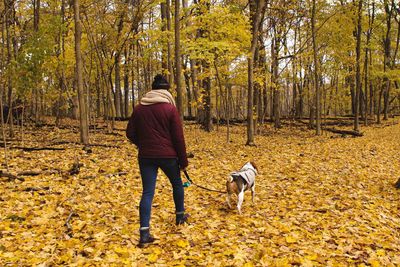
320 201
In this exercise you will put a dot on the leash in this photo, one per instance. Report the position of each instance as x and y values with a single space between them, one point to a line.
190 181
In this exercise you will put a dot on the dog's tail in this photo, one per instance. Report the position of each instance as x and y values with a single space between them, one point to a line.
230 179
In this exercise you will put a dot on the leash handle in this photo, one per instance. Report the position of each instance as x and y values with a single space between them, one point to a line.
189 182
187 176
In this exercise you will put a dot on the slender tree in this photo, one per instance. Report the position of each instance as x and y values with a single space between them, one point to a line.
316 71
84 128
178 64
358 69
255 22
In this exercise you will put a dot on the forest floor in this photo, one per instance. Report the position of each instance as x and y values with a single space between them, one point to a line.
327 201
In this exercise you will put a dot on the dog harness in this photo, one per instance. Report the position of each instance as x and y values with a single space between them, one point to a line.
247 172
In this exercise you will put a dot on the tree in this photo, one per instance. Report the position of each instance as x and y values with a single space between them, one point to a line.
84 127
316 71
358 70
255 22
178 64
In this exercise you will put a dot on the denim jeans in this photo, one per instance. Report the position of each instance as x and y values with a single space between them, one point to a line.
148 170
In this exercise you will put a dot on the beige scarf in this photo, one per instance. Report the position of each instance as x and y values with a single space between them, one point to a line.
157 96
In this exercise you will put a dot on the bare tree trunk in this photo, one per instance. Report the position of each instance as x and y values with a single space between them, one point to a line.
206 91
62 82
36 15
255 15
2 67
371 19
188 89
366 65
164 53
117 95
216 94
126 84
358 69
9 17
169 59
387 54
379 109
132 67
316 72
178 64
228 110
84 128
276 97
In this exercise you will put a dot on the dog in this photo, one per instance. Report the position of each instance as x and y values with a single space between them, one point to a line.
240 181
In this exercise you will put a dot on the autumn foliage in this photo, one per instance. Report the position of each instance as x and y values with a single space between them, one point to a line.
320 201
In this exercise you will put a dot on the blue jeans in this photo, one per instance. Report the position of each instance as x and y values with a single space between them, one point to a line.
148 171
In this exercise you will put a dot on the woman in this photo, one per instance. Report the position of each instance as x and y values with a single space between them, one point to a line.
155 128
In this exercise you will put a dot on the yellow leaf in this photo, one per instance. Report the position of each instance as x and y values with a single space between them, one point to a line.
291 239
153 257
182 243
380 252
374 262
122 252
312 257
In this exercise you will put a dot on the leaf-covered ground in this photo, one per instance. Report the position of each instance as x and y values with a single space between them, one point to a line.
319 201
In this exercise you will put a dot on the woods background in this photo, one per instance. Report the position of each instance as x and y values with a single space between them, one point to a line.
248 66
227 60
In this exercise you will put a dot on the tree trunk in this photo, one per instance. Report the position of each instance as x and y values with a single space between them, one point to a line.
36 15
126 84
169 59
188 89
9 17
133 69
255 16
164 55
387 55
358 69
316 72
117 95
207 120
178 64
84 128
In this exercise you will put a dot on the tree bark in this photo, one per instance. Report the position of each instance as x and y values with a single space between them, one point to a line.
255 16
169 59
84 128
387 54
316 72
164 55
358 69
117 94
10 20
178 64
126 84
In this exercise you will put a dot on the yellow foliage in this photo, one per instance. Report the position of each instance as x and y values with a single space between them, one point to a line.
320 201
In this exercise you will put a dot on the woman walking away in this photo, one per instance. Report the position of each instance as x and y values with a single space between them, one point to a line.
155 128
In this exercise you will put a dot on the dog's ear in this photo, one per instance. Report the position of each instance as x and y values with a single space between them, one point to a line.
254 165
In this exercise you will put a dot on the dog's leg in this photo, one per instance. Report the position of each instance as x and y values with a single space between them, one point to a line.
253 192
240 201
228 200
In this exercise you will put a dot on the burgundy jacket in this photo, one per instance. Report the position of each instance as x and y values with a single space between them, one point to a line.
157 132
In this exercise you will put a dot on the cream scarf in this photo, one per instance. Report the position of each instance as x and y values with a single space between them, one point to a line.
157 96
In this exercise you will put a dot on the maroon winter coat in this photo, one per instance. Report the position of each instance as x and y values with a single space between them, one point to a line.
157 131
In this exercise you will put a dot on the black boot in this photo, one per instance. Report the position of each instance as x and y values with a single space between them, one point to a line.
145 237
182 218
397 184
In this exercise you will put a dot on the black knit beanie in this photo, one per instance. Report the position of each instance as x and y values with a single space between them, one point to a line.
160 83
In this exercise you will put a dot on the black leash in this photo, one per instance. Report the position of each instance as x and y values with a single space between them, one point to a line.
202 187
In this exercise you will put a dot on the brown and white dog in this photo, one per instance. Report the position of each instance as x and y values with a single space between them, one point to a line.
240 181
